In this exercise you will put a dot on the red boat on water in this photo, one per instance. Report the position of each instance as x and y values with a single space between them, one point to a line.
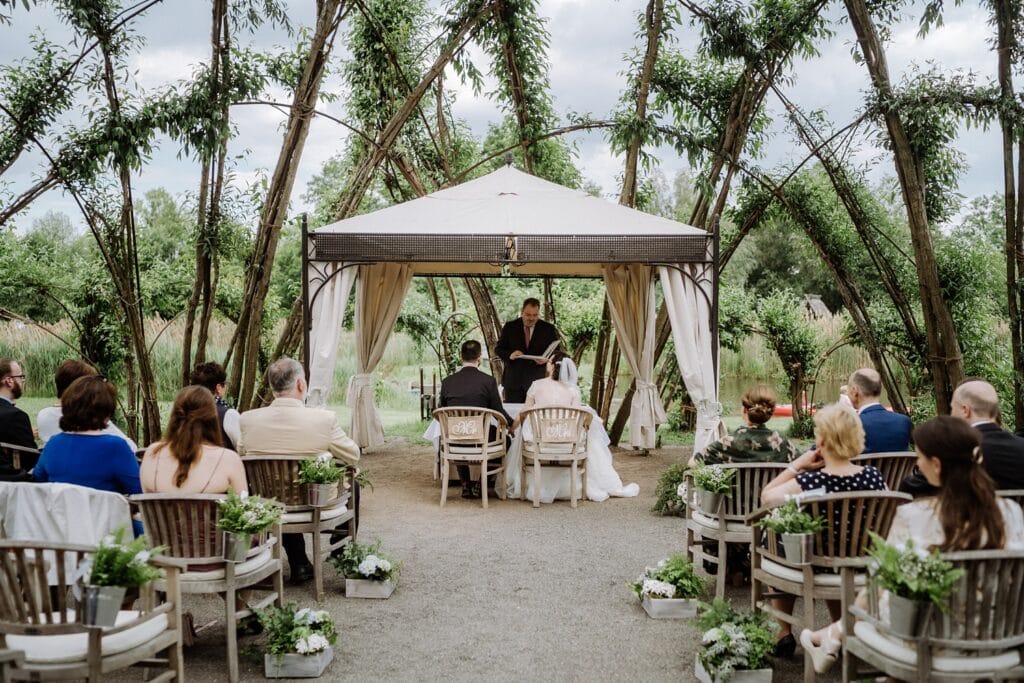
786 410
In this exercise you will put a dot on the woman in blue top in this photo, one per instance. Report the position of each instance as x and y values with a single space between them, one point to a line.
82 454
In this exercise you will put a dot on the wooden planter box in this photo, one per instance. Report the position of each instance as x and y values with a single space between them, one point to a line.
670 608
297 666
364 588
742 676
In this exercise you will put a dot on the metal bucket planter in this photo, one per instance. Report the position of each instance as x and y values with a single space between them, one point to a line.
294 665
709 502
670 608
798 548
236 546
738 676
904 614
321 495
364 588
102 603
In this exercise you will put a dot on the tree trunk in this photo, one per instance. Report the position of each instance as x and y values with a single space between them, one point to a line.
490 324
597 381
1006 15
944 356
246 342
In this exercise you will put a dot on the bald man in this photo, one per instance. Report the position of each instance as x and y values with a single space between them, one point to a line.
1002 452
884 431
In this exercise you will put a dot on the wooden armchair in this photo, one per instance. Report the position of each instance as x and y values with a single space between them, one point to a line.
277 476
980 638
730 525
186 524
557 438
895 467
466 440
1016 495
17 460
849 517
45 625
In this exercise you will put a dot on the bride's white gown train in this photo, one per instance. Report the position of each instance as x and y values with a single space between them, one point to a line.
602 479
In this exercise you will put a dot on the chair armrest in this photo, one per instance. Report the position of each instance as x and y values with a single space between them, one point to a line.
759 513
166 562
17 657
851 562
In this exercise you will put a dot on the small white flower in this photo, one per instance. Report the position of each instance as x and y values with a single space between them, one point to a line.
141 557
320 617
301 646
243 494
681 490
304 615
658 589
384 565
317 643
324 457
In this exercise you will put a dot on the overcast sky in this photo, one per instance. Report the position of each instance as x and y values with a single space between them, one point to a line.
588 41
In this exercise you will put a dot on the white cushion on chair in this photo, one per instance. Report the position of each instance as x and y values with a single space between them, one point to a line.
530 449
252 564
797 575
712 523
325 514
899 650
455 449
74 647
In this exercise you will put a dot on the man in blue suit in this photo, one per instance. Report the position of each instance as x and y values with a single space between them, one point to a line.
884 431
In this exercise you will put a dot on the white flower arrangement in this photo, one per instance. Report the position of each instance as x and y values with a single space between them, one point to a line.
300 631
312 644
374 568
656 589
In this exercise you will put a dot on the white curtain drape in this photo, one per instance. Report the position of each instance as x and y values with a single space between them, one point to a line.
380 291
328 314
689 313
630 289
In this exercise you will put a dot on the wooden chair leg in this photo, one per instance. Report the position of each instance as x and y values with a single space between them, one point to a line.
572 484
444 481
483 483
536 483
809 675
721 570
318 560
583 477
522 478
229 628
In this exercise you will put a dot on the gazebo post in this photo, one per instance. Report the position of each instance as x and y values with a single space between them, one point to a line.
714 295
307 319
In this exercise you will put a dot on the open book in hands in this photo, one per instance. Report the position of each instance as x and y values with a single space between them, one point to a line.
544 356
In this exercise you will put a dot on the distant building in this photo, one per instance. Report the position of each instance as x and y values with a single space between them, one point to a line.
815 307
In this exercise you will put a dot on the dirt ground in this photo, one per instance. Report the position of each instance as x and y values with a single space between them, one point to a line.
508 593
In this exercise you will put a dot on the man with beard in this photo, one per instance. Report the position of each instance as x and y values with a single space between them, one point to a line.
15 426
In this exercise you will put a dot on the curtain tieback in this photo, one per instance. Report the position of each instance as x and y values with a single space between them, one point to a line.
709 414
357 386
648 393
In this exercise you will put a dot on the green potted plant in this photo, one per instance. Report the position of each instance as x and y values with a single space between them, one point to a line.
735 646
670 494
241 517
668 590
115 567
368 572
298 641
915 578
796 528
713 483
321 477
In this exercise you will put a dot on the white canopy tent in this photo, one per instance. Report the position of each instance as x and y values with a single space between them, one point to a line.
512 223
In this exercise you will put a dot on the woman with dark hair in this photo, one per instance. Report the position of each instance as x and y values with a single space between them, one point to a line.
190 458
213 377
48 420
83 453
752 442
965 515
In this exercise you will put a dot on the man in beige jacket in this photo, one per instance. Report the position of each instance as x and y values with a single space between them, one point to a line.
288 427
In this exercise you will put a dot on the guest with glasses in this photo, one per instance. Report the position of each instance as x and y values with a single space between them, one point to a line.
15 425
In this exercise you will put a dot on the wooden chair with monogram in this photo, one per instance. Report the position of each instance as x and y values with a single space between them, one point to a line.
466 440
555 437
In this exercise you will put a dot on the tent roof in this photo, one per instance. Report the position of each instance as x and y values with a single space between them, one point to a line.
507 217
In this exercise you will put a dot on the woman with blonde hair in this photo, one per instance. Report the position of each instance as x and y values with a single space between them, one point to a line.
752 442
190 458
838 436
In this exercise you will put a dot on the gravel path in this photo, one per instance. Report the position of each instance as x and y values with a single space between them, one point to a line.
507 593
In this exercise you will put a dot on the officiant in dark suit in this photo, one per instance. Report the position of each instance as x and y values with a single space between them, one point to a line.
526 335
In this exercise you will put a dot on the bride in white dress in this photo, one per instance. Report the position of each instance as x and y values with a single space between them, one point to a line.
560 389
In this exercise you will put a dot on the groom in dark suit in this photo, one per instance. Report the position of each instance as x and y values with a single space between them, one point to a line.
526 335
469 386
15 425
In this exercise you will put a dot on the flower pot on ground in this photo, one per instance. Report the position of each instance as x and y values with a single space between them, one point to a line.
299 641
241 517
736 646
368 572
115 567
668 590
798 548
915 578
711 484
